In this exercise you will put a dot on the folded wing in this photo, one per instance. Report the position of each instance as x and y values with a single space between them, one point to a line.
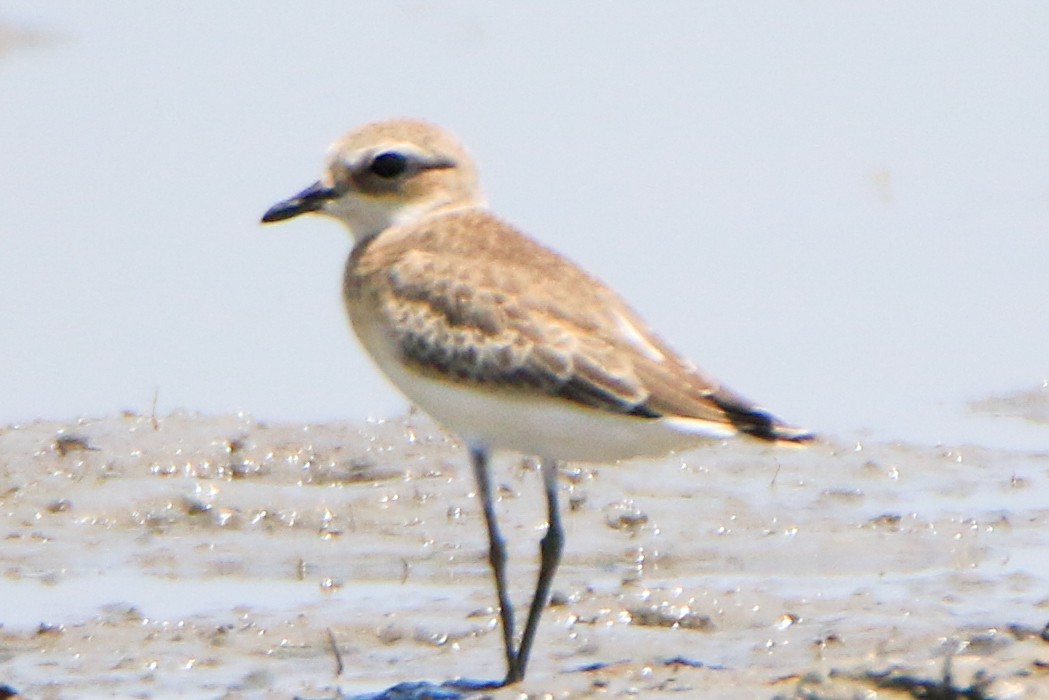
507 325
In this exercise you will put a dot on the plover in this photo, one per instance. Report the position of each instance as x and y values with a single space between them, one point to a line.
499 338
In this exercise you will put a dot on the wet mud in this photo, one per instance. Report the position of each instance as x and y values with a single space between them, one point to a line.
223 557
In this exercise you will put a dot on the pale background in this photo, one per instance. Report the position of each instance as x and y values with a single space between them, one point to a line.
841 209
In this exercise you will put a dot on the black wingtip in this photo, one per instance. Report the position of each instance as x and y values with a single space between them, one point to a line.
758 423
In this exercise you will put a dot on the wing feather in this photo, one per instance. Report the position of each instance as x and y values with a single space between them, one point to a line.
528 319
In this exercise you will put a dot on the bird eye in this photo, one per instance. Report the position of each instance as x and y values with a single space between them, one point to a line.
389 164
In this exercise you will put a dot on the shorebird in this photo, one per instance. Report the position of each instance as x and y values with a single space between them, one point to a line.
499 338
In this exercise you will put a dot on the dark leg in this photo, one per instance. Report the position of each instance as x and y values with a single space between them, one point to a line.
496 555
550 548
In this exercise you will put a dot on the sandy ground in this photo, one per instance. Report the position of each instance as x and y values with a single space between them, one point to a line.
217 557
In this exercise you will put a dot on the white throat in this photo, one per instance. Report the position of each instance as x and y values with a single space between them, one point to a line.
366 218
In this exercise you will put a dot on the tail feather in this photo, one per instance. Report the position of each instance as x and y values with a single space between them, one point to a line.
757 422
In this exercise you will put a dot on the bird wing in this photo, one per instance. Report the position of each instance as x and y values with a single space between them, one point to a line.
496 308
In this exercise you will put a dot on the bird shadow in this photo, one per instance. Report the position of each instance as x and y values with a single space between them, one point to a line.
423 690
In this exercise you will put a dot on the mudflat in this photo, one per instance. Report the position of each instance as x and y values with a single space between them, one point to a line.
199 556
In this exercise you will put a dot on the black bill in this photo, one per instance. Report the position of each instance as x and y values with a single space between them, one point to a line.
310 199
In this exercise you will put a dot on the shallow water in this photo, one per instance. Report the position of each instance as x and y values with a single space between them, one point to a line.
208 557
